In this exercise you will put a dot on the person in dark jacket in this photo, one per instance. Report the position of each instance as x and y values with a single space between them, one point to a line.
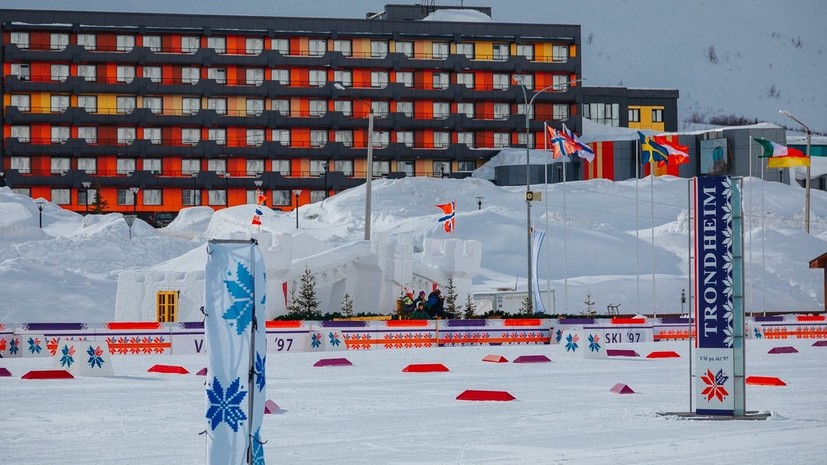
436 304
420 313
420 298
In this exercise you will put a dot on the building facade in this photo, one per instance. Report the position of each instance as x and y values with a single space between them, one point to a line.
155 112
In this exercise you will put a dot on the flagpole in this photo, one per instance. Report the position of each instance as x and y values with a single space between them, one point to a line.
252 360
763 255
565 250
548 247
637 224
652 199
751 217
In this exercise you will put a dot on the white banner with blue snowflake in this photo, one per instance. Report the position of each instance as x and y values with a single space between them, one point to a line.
236 347
537 297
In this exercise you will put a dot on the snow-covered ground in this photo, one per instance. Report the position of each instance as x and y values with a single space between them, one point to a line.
373 413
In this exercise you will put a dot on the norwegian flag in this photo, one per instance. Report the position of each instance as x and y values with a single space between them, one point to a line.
448 219
260 198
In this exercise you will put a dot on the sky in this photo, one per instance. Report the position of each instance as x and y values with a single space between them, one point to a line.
768 57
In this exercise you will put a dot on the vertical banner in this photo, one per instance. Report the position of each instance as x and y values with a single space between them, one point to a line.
538 237
717 274
236 350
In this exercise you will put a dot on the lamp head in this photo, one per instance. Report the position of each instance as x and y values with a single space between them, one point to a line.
338 86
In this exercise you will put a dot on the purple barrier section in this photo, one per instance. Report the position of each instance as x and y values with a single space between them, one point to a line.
344 324
332 362
621 353
465 323
4 372
783 350
820 344
576 321
531 359
765 319
675 321
202 372
54 326
621 389
192 325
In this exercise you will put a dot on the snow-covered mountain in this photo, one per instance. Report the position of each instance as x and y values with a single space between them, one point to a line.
748 58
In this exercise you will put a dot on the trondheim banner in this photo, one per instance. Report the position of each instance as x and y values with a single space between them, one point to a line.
718 287
236 347
539 236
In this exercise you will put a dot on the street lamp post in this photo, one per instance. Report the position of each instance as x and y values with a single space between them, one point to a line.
297 193
134 191
86 185
528 197
40 205
227 188
326 167
369 169
807 179
195 199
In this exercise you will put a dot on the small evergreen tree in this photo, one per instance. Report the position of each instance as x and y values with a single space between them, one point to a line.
306 300
589 311
293 309
451 299
528 306
347 306
99 204
470 308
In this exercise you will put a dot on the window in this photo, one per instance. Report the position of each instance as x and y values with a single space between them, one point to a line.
343 46
255 137
61 196
21 133
378 48
318 77
405 108
86 196
153 73
657 115
60 165
466 79
466 108
317 196
521 139
190 75
127 197
561 82
154 104
190 197
439 50
153 135
441 110
282 76
466 166
125 166
603 113
318 108
153 165
282 136
502 139
560 112
405 48
282 167
406 167
190 105
253 45
153 43
441 168
22 164
217 166
88 134
282 106
252 197
280 45
126 136
442 139
405 77
281 197
379 79
405 137
345 167
88 73
190 166
318 137
21 39
345 137
58 41
125 74
151 196
88 103
502 81
526 50
59 103
90 165
190 44
21 70
166 306
88 41
60 72
218 135
380 109
381 168
343 77
466 138
343 106
22 190
441 80
22 102
219 105
559 53
255 106
502 110
521 109
190 136
316 47
254 76
60 134
466 49
317 167
219 44
219 75
527 80
500 52
634 115
127 43
125 105
255 167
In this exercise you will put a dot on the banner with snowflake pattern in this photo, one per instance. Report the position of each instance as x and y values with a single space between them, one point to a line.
236 348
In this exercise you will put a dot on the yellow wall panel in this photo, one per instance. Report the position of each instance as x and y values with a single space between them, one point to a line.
483 50
107 104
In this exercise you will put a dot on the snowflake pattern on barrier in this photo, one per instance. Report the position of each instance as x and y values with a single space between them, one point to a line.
241 290
138 345
594 345
34 345
408 340
67 356
334 339
571 343
51 345
558 336
714 385
797 332
358 341
2 344
757 333
316 340
14 346
95 358
225 405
